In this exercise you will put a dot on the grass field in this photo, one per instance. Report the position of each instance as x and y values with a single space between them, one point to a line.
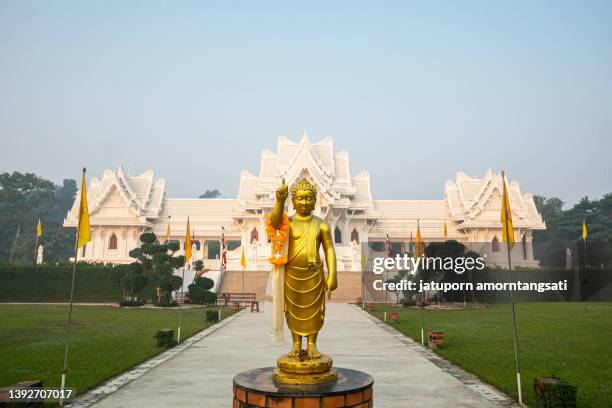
105 341
569 340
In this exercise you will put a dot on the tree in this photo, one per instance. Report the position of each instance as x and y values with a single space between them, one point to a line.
157 262
564 228
133 282
24 198
199 290
450 249
210 194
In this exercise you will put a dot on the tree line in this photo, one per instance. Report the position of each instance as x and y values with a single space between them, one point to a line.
25 198
564 231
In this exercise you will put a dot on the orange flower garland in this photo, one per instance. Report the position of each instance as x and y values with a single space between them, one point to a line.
279 238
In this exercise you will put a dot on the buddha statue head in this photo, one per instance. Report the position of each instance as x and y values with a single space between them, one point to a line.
303 197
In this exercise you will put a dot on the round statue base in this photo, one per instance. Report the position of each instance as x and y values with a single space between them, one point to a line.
257 389
302 370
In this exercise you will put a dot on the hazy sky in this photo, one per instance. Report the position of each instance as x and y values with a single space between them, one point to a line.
414 91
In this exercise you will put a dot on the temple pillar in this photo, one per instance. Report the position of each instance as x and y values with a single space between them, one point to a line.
124 243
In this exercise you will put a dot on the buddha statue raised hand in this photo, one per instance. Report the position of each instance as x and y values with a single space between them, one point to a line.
305 282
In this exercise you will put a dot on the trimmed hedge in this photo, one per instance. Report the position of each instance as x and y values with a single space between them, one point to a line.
51 283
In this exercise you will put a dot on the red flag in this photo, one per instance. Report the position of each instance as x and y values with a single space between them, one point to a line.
223 249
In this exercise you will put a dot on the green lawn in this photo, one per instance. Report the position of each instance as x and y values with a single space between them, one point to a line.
554 338
105 341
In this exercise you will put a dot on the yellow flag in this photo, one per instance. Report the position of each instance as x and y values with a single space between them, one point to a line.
168 232
445 231
584 230
188 243
418 244
83 233
243 260
506 217
39 229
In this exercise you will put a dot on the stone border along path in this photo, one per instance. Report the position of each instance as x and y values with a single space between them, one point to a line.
95 395
200 373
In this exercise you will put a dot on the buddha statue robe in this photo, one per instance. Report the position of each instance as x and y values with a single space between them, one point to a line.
304 277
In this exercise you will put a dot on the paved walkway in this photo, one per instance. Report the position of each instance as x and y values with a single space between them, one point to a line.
405 375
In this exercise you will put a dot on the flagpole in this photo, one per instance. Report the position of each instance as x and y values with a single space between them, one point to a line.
386 317
187 241
362 276
585 258
243 264
178 335
422 307
585 253
514 335
419 249
386 296
36 247
69 323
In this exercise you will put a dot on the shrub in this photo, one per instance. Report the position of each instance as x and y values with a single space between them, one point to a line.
165 338
199 291
204 283
164 302
200 296
553 392
131 303
51 283
212 315
148 238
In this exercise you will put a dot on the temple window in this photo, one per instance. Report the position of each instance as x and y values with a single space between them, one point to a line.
213 249
337 235
254 235
355 235
377 246
233 244
524 242
495 244
112 243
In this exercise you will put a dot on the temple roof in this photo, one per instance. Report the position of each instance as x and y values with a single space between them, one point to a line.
206 216
328 170
476 201
142 194
400 218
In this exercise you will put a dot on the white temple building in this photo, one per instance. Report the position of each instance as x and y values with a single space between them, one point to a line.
123 206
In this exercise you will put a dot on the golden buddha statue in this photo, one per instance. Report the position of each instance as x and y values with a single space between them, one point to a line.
305 285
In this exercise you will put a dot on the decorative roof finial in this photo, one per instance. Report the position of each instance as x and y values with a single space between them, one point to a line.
305 135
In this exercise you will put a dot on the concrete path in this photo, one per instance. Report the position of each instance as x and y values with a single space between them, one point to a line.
405 375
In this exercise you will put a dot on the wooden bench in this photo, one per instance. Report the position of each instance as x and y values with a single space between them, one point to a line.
235 299
221 300
5 401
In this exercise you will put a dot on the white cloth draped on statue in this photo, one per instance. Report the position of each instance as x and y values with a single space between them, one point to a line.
275 304
275 300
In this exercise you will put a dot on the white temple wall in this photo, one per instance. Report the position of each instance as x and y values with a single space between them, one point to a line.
122 200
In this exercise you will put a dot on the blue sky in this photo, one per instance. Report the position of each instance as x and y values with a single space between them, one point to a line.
414 91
